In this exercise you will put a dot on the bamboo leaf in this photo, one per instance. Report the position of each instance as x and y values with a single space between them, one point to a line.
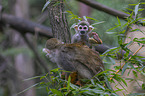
85 18
119 21
32 78
46 4
111 32
28 88
136 94
56 92
136 9
98 23
124 68
68 83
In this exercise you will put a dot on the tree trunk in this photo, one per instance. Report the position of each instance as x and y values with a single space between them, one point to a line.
58 21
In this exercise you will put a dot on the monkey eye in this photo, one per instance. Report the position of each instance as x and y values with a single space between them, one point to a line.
80 27
85 27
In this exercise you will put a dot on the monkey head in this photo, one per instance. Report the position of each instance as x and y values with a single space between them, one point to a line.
83 28
53 43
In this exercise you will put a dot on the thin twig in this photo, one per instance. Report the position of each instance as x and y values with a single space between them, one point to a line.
127 61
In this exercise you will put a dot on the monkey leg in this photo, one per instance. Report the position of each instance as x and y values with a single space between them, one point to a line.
79 82
75 79
73 76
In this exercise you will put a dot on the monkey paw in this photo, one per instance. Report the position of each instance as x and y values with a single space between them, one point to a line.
45 50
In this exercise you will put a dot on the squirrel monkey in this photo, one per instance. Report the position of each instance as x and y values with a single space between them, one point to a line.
74 58
83 34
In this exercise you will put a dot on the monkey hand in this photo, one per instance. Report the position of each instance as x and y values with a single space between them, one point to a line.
96 37
45 50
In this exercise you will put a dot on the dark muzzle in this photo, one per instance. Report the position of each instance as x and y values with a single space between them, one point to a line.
82 32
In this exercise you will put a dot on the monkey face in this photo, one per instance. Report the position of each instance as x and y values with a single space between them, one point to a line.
83 29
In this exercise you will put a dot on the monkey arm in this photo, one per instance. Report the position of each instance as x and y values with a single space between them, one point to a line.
75 38
95 39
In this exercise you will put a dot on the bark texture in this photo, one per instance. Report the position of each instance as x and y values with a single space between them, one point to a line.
58 21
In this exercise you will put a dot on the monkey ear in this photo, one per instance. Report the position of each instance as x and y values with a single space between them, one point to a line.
76 27
91 28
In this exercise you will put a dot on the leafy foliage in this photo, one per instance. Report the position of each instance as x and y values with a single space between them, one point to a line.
55 86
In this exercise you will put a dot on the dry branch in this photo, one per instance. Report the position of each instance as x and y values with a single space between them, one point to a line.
25 26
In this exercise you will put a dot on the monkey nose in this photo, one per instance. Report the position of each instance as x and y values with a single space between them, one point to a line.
82 32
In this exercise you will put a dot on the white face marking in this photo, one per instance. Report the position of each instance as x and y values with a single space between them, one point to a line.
83 28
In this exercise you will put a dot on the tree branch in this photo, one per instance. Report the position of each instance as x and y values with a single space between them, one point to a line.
104 8
40 60
24 26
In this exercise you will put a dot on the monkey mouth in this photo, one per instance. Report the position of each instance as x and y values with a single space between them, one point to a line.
82 32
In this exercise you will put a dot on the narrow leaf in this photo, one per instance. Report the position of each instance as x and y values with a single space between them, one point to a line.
124 68
32 78
119 21
136 9
111 32
68 83
85 18
28 88
136 94
46 4
56 92
98 23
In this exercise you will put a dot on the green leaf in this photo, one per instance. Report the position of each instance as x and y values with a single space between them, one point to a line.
85 18
136 9
119 21
46 4
68 83
135 30
107 83
111 32
110 50
124 68
140 9
128 44
55 70
97 23
124 82
101 86
142 3
28 88
74 86
92 81
42 77
112 60
56 92
132 4
136 94
129 9
113 28
143 86
91 18
32 78
70 12
135 74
